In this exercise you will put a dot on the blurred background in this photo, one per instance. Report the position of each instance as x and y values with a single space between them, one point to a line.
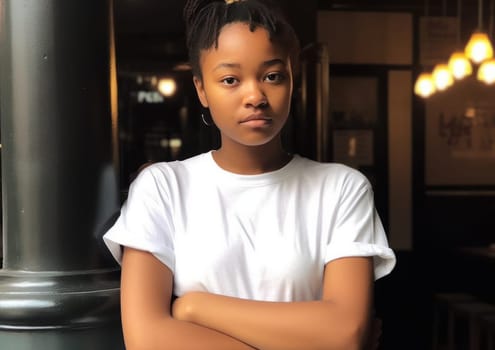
429 155
378 92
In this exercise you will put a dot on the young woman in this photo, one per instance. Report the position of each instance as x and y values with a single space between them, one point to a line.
263 249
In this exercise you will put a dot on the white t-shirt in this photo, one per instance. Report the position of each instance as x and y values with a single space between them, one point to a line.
261 237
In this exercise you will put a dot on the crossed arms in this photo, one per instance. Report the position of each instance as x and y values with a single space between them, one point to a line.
198 320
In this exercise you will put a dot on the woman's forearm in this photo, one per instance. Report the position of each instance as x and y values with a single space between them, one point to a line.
338 321
146 294
275 325
171 334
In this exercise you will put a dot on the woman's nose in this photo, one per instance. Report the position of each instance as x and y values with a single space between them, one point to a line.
255 96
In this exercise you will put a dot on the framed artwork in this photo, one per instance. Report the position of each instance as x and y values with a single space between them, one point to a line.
354 113
460 136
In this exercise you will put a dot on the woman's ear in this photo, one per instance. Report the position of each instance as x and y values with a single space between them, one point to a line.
198 84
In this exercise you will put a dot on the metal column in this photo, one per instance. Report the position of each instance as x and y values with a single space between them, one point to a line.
58 287
313 116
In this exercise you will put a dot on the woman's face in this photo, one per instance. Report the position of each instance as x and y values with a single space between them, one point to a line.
247 85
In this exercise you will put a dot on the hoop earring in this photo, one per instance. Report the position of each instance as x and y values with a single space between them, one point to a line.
204 120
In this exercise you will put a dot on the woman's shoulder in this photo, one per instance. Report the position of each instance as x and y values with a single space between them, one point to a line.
330 170
172 172
193 163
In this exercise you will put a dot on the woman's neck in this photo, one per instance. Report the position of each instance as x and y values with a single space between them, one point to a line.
251 160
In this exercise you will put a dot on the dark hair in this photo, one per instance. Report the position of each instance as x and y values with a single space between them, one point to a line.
205 19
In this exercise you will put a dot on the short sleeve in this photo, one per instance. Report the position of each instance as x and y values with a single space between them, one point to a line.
145 220
358 230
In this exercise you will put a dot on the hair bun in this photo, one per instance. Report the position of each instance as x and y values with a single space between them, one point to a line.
192 8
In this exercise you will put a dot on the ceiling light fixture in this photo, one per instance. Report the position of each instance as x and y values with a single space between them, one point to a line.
486 72
442 77
424 86
459 65
479 47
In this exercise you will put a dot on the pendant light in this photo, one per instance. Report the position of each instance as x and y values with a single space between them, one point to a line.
479 47
442 77
486 72
441 73
459 65
424 86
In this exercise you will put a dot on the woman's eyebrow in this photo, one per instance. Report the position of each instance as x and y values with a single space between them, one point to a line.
227 65
273 62
265 64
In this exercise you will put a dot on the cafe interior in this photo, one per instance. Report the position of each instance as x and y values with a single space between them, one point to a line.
396 89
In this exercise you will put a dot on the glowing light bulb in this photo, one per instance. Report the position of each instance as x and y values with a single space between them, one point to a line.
424 85
442 77
167 87
486 72
459 65
479 47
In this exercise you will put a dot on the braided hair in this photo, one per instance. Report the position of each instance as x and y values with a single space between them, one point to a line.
205 19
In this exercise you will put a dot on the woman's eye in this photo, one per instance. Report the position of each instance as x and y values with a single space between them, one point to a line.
274 77
229 81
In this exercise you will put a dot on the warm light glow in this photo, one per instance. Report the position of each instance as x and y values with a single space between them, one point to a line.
470 112
167 87
459 65
175 142
486 72
424 86
442 76
479 47
182 67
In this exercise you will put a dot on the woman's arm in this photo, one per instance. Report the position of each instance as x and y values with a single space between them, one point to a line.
338 321
146 290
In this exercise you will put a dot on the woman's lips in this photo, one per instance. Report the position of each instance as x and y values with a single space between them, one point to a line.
256 120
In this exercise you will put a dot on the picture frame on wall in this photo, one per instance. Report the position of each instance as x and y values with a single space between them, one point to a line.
460 137
354 114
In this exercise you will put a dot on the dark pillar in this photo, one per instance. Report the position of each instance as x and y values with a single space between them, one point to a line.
311 104
58 289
